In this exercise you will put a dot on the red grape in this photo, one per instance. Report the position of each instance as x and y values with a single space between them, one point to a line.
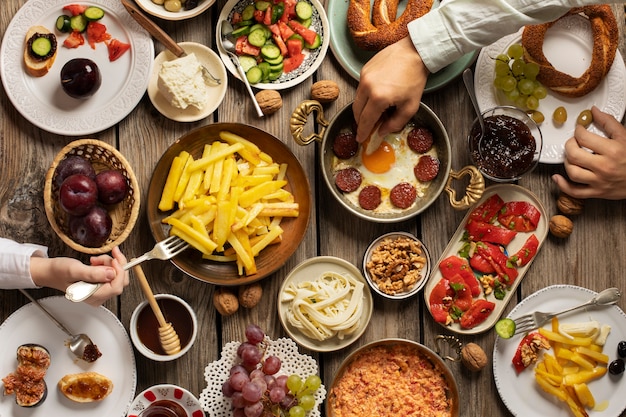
277 394
253 410
251 356
254 334
251 392
238 380
271 365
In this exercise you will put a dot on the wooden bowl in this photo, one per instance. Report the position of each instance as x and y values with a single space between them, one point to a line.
269 259
124 214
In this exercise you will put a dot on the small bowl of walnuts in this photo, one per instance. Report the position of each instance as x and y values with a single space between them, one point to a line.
396 265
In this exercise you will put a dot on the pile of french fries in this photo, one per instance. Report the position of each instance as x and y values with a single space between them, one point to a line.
577 360
229 202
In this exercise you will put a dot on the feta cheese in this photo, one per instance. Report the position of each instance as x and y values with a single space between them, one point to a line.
182 84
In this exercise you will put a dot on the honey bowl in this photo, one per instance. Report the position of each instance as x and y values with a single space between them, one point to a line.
510 146
144 327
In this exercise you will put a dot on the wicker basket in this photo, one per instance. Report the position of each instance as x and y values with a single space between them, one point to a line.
124 214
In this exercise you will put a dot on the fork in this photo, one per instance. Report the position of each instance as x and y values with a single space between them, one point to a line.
537 319
165 249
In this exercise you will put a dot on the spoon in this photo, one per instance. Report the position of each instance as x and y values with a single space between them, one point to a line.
228 45
468 79
79 343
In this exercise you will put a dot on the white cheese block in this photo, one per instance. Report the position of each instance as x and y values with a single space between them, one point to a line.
182 84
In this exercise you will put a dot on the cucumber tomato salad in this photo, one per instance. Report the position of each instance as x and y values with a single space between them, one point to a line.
274 37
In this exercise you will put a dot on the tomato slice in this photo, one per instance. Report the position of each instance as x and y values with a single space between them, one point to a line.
521 216
75 9
526 252
488 210
293 62
307 34
487 232
477 313
455 265
500 262
97 32
117 49
74 40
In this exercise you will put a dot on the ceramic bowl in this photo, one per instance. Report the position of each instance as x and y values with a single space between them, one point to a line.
144 328
158 10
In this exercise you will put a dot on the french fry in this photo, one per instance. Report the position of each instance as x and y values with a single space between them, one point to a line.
280 210
250 152
202 163
171 183
257 192
555 337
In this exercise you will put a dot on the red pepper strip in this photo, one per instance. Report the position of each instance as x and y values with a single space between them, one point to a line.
526 252
521 216
498 260
487 232
480 264
477 313
488 210
454 265
517 361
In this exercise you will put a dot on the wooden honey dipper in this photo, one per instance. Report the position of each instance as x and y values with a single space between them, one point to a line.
167 335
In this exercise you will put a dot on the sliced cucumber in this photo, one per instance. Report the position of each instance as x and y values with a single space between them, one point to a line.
274 61
277 68
244 23
270 51
42 46
248 12
315 44
262 5
240 31
505 328
257 37
247 62
306 22
275 75
93 13
265 69
63 24
304 10
254 75
78 23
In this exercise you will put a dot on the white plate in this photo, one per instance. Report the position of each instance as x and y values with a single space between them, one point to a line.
159 11
521 394
567 46
30 325
312 59
309 270
508 192
41 99
213 63
168 392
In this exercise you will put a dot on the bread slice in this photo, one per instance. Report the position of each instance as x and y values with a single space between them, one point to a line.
85 387
35 67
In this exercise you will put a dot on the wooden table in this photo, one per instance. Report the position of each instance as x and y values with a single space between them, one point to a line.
592 257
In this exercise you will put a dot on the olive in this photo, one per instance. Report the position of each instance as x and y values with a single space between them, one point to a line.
621 349
537 116
584 118
560 115
617 366
172 5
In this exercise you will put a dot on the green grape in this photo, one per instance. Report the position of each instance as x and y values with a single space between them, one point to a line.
531 69
312 383
532 103
515 51
296 411
503 58
497 82
502 68
526 86
294 383
512 95
538 117
521 101
307 402
540 92
508 83
517 67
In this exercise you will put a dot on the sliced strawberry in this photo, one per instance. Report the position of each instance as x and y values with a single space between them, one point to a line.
74 40
116 49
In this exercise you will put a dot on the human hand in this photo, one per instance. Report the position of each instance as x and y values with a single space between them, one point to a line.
61 272
394 77
600 173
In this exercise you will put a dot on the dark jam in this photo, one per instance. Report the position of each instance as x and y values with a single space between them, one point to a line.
92 353
175 313
507 149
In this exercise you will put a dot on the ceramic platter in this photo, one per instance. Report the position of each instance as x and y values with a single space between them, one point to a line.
508 192
213 63
568 45
42 101
521 394
352 58
313 58
30 325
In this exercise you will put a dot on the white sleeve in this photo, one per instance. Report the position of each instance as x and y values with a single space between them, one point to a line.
460 26
15 263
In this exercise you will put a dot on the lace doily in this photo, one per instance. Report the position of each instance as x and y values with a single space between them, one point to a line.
293 362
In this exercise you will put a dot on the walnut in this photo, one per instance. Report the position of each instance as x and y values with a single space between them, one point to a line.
250 295
569 205
473 357
225 301
561 226
325 91
270 101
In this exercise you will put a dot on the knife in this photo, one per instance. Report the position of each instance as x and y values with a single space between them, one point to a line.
161 35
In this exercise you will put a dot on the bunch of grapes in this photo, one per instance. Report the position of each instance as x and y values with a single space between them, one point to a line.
257 389
517 79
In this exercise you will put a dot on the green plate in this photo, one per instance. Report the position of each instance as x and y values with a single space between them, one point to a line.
352 59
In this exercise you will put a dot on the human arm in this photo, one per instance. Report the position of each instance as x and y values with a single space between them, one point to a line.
595 165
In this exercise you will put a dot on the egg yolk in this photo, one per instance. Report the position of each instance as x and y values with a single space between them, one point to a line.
381 160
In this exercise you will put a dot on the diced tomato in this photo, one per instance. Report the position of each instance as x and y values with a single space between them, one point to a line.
488 210
281 45
488 232
477 313
292 62
294 47
480 264
500 262
74 40
526 252
455 265
285 31
259 15
116 49
97 32
267 18
290 10
236 18
528 340
75 9
307 34
243 47
519 215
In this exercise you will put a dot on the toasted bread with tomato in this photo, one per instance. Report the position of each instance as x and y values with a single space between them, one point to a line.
38 65
85 387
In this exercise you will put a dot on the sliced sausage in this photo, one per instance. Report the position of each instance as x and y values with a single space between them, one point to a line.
420 139
348 179
403 195
369 197
345 145
427 168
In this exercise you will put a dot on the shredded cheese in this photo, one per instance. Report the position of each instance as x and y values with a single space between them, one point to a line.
327 307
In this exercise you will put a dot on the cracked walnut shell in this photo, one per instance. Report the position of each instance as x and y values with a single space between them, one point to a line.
569 205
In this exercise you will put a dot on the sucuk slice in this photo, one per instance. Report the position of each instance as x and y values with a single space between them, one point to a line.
348 179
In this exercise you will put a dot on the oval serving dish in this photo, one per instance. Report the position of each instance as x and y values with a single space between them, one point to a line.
508 192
